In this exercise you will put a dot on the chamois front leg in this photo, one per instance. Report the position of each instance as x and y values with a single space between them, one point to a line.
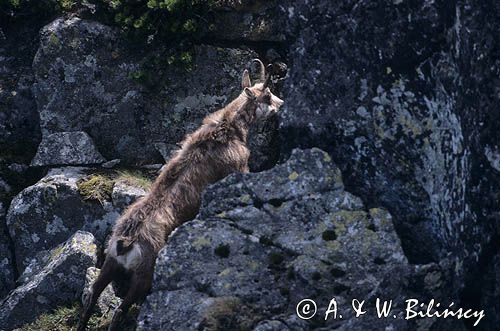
245 169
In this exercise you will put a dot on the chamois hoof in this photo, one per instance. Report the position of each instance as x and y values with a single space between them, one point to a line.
115 322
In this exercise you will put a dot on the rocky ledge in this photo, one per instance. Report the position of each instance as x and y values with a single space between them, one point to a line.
264 241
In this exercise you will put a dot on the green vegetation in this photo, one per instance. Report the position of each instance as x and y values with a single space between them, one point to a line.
62 319
170 26
227 313
96 187
99 186
134 178
66 318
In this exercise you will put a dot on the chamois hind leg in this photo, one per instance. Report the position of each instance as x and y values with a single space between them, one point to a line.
105 277
140 284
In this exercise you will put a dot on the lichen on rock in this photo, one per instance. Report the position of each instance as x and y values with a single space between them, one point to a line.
288 240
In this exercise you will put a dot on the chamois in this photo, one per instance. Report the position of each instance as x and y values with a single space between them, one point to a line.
216 149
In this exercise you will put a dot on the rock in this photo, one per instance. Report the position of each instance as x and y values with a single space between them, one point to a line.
111 164
59 282
4 188
166 150
259 21
271 326
6 268
393 109
18 167
107 302
47 213
124 194
490 296
67 148
85 82
269 240
493 157
19 123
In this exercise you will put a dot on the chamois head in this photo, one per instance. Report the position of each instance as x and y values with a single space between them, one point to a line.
267 102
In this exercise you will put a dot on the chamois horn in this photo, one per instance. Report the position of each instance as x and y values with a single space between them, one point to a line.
268 75
262 69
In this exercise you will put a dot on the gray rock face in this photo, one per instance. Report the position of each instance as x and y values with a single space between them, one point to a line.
394 109
249 20
263 242
19 123
6 270
47 213
490 285
85 82
67 148
124 194
59 282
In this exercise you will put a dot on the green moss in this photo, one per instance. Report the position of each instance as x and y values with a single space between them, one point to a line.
56 252
139 76
293 176
53 40
221 215
66 5
226 313
349 218
99 186
201 242
96 187
245 198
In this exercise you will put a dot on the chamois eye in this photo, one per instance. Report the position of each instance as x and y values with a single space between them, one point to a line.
267 98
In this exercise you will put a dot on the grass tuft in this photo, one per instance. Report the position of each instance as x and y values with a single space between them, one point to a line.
66 319
134 178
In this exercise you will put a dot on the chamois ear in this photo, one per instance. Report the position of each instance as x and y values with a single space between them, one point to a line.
250 94
245 81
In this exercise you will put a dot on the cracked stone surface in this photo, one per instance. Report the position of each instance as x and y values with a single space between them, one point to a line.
404 96
6 269
47 213
58 281
67 148
83 72
264 241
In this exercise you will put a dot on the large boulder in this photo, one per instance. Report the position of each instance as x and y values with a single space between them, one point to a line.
388 90
87 80
263 242
47 213
67 148
60 281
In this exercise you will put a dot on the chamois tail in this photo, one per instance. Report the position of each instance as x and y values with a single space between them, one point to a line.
123 246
